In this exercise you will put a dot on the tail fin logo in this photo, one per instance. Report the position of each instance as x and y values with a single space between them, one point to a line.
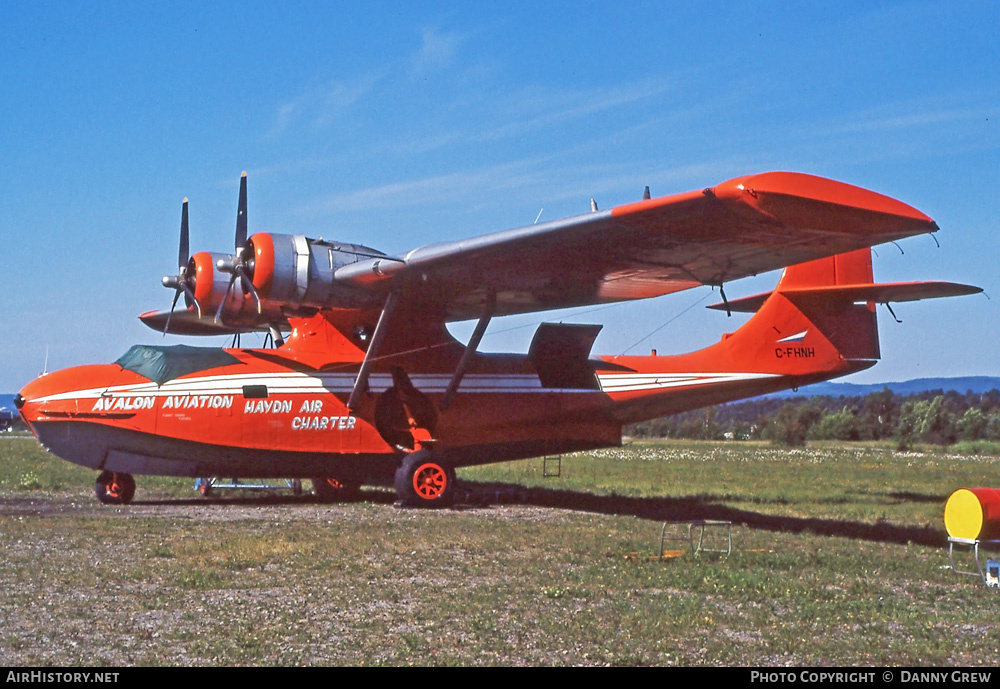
797 337
794 352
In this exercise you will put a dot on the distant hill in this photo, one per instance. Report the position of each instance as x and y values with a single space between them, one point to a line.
976 384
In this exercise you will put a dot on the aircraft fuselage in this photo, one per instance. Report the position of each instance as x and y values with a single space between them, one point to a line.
260 417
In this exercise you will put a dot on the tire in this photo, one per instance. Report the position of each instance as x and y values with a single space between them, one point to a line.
114 489
329 489
423 480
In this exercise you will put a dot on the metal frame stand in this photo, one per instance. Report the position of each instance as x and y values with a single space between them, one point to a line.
703 525
974 545
206 485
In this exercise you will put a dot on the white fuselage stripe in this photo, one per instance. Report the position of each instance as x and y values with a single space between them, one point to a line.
303 383
631 382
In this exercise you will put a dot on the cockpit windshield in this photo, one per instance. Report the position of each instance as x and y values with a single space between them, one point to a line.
163 363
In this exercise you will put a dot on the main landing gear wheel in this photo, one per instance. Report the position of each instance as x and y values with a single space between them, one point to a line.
329 489
425 481
114 489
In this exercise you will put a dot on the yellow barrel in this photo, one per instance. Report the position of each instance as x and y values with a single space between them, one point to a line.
973 513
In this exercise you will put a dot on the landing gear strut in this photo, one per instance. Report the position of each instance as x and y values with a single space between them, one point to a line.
114 489
423 480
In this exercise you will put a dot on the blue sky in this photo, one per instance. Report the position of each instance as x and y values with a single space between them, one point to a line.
400 124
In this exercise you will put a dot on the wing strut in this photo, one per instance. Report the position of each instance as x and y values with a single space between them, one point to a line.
361 384
895 317
470 350
722 291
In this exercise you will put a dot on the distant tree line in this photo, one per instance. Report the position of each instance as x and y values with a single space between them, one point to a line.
936 417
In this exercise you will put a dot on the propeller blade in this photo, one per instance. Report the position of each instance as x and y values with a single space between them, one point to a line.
182 255
178 282
166 326
241 216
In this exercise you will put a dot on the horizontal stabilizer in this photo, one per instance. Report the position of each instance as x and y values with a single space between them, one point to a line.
881 293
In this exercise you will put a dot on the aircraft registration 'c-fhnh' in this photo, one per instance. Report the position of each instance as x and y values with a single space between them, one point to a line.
370 388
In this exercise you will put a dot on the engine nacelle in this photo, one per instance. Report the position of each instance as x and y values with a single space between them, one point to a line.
297 272
211 286
292 276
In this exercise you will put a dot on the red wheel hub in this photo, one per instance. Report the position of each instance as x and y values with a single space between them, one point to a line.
115 489
430 481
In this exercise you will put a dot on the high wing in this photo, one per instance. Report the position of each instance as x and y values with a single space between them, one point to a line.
739 228
742 227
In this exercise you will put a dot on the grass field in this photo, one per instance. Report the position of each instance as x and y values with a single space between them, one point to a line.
839 559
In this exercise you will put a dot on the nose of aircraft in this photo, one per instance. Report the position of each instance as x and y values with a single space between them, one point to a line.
64 394
29 400
22 401
58 407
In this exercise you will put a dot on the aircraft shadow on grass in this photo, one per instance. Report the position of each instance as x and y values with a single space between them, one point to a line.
708 507
693 508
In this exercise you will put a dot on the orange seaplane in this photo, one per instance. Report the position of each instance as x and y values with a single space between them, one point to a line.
369 387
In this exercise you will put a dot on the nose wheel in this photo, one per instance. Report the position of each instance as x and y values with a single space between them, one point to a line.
424 480
114 489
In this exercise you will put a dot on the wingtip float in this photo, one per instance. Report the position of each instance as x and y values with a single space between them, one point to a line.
369 387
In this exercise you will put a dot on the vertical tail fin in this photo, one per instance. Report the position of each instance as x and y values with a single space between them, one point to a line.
853 268
827 292
834 297
818 320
